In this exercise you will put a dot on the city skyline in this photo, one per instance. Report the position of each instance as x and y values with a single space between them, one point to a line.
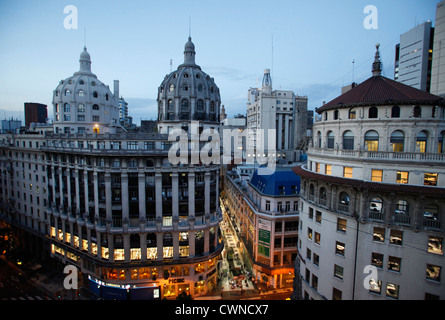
235 41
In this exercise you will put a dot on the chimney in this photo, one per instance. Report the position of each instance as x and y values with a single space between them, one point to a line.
116 89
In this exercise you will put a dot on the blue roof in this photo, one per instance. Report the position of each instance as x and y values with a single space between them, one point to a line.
279 183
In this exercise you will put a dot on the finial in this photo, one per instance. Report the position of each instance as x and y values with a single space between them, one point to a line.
377 65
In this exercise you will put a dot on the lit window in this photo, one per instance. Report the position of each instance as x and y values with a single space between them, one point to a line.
328 169
397 140
433 272
372 141
347 172
430 179
392 290
402 177
377 175
341 225
394 263
435 244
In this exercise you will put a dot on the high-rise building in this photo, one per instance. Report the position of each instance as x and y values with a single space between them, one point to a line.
35 113
110 202
414 57
438 64
375 178
279 110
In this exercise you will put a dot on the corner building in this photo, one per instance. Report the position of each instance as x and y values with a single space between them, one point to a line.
372 217
109 202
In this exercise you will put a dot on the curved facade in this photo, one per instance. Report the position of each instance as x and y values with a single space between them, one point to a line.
372 224
110 202
83 104
187 94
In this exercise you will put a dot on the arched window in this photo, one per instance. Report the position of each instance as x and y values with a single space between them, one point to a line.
395 112
67 92
348 140
417 112
171 105
66 107
440 146
398 141
373 113
372 141
343 202
171 87
151 240
422 139
352 114
311 192
200 105
135 240
81 93
431 212
331 139
95 95
402 208
184 105
376 205
167 240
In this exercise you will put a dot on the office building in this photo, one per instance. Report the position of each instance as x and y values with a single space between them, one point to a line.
438 64
414 57
279 110
35 113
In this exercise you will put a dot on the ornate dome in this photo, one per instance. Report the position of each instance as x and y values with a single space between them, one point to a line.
82 103
188 93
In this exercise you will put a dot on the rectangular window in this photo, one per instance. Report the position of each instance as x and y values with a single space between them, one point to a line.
316 259
132 145
336 294
392 290
328 169
375 286
317 238
341 224
338 272
96 119
347 172
267 205
377 260
402 177
433 272
309 233
80 117
314 282
149 145
430 179
340 248
435 244
378 234
396 237
318 216
317 167
394 263
377 175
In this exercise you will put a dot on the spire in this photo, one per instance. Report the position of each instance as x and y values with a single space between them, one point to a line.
377 65
85 61
189 52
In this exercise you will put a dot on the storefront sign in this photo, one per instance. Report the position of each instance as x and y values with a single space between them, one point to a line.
180 280
264 229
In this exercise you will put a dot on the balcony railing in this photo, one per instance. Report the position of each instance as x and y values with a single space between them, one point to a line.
380 155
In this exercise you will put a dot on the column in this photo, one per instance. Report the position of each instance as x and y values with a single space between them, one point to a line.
143 244
191 244
62 198
206 241
124 191
141 189
68 189
279 132
96 195
175 236
158 185
207 193
108 195
191 185
76 183
127 254
175 196
85 185
110 247
160 246
286 131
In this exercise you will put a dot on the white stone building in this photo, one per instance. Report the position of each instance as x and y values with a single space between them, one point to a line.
372 202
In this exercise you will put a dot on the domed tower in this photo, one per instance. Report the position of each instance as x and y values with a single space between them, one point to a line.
83 104
188 94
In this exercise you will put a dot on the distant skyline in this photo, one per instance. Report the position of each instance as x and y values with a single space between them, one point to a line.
308 45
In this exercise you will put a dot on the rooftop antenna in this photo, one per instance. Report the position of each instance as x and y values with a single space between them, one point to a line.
353 62
190 26
85 37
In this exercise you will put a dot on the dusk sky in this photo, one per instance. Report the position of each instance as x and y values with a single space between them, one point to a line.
314 44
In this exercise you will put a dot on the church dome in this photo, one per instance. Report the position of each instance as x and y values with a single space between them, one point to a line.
82 102
188 93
